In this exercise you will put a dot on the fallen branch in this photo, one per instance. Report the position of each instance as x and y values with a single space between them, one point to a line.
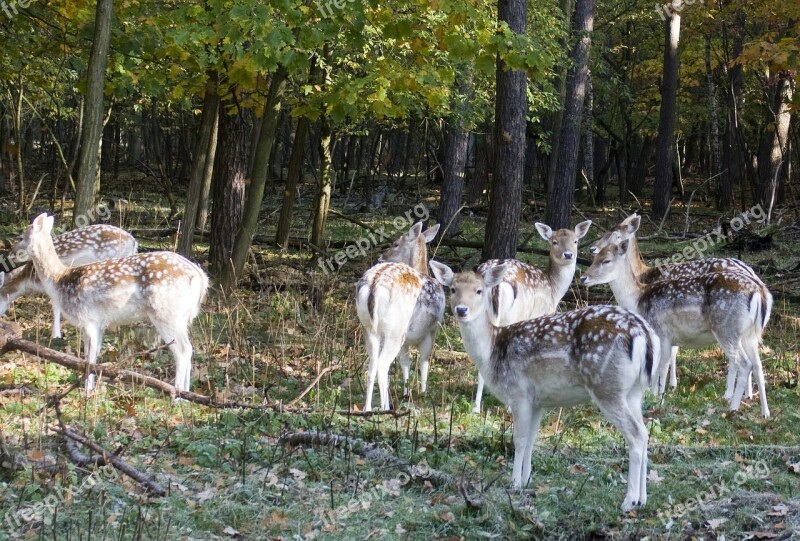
367 451
151 485
10 341
314 383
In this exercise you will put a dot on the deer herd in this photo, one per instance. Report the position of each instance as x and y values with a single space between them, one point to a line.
529 355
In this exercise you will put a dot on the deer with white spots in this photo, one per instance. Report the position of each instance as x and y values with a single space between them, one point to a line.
727 307
626 230
399 307
162 287
601 354
526 292
77 247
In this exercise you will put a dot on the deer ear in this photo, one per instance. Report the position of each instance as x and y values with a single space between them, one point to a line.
39 222
430 233
623 246
582 228
494 275
633 223
415 230
442 273
544 230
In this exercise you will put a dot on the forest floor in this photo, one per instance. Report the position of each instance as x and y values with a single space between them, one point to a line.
434 470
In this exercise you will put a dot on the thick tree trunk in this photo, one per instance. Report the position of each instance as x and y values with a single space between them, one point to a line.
665 142
228 191
203 159
454 163
325 183
588 138
255 192
208 175
774 139
505 199
86 195
724 191
561 195
292 179
483 163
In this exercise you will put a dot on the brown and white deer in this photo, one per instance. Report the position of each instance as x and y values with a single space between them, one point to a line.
728 308
626 230
162 287
77 247
399 307
526 292
601 354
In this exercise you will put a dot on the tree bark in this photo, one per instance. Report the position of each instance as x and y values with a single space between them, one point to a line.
86 194
483 162
665 142
323 201
203 154
228 190
511 107
734 150
724 192
454 164
255 193
588 139
774 139
292 179
561 194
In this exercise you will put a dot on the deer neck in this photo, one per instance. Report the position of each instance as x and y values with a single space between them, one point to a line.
49 267
478 337
635 258
626 288
419 262
560 277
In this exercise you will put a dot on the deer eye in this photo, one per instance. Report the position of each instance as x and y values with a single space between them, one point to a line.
479 292
606 262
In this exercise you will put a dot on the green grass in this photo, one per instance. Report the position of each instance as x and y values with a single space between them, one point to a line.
228 475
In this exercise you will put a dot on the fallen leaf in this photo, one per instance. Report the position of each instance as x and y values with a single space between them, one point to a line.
794 467
760 535
206 495
714 523
447 516
577 468
778 510
232 532
654 477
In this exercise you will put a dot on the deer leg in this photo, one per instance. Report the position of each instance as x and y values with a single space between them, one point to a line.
478 394
750 348
533 432
524 434
373 344
56 332
742 366
663 368
405 365
625 413
93 339
425 349
673 367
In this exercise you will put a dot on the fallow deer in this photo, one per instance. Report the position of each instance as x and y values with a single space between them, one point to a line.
728 308
399 306
626 230
601 354
526 292
77 247
162 287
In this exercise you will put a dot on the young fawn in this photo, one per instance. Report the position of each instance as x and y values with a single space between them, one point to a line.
728 308
399 306
77 247
626 230
526 292
162 287
601 354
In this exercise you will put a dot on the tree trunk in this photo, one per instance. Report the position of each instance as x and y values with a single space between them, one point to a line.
774 139
561 194
483 163
454 163
325 170
292 179
588 139
505 199
724 192
86 195
665 142
255 193
228 187
734 150
203 161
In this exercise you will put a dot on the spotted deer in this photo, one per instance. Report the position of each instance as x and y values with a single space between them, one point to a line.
162 287
77 247
399 306
601 354
626 230
526 292
726 307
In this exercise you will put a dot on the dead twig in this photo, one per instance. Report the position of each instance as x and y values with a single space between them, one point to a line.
314 383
